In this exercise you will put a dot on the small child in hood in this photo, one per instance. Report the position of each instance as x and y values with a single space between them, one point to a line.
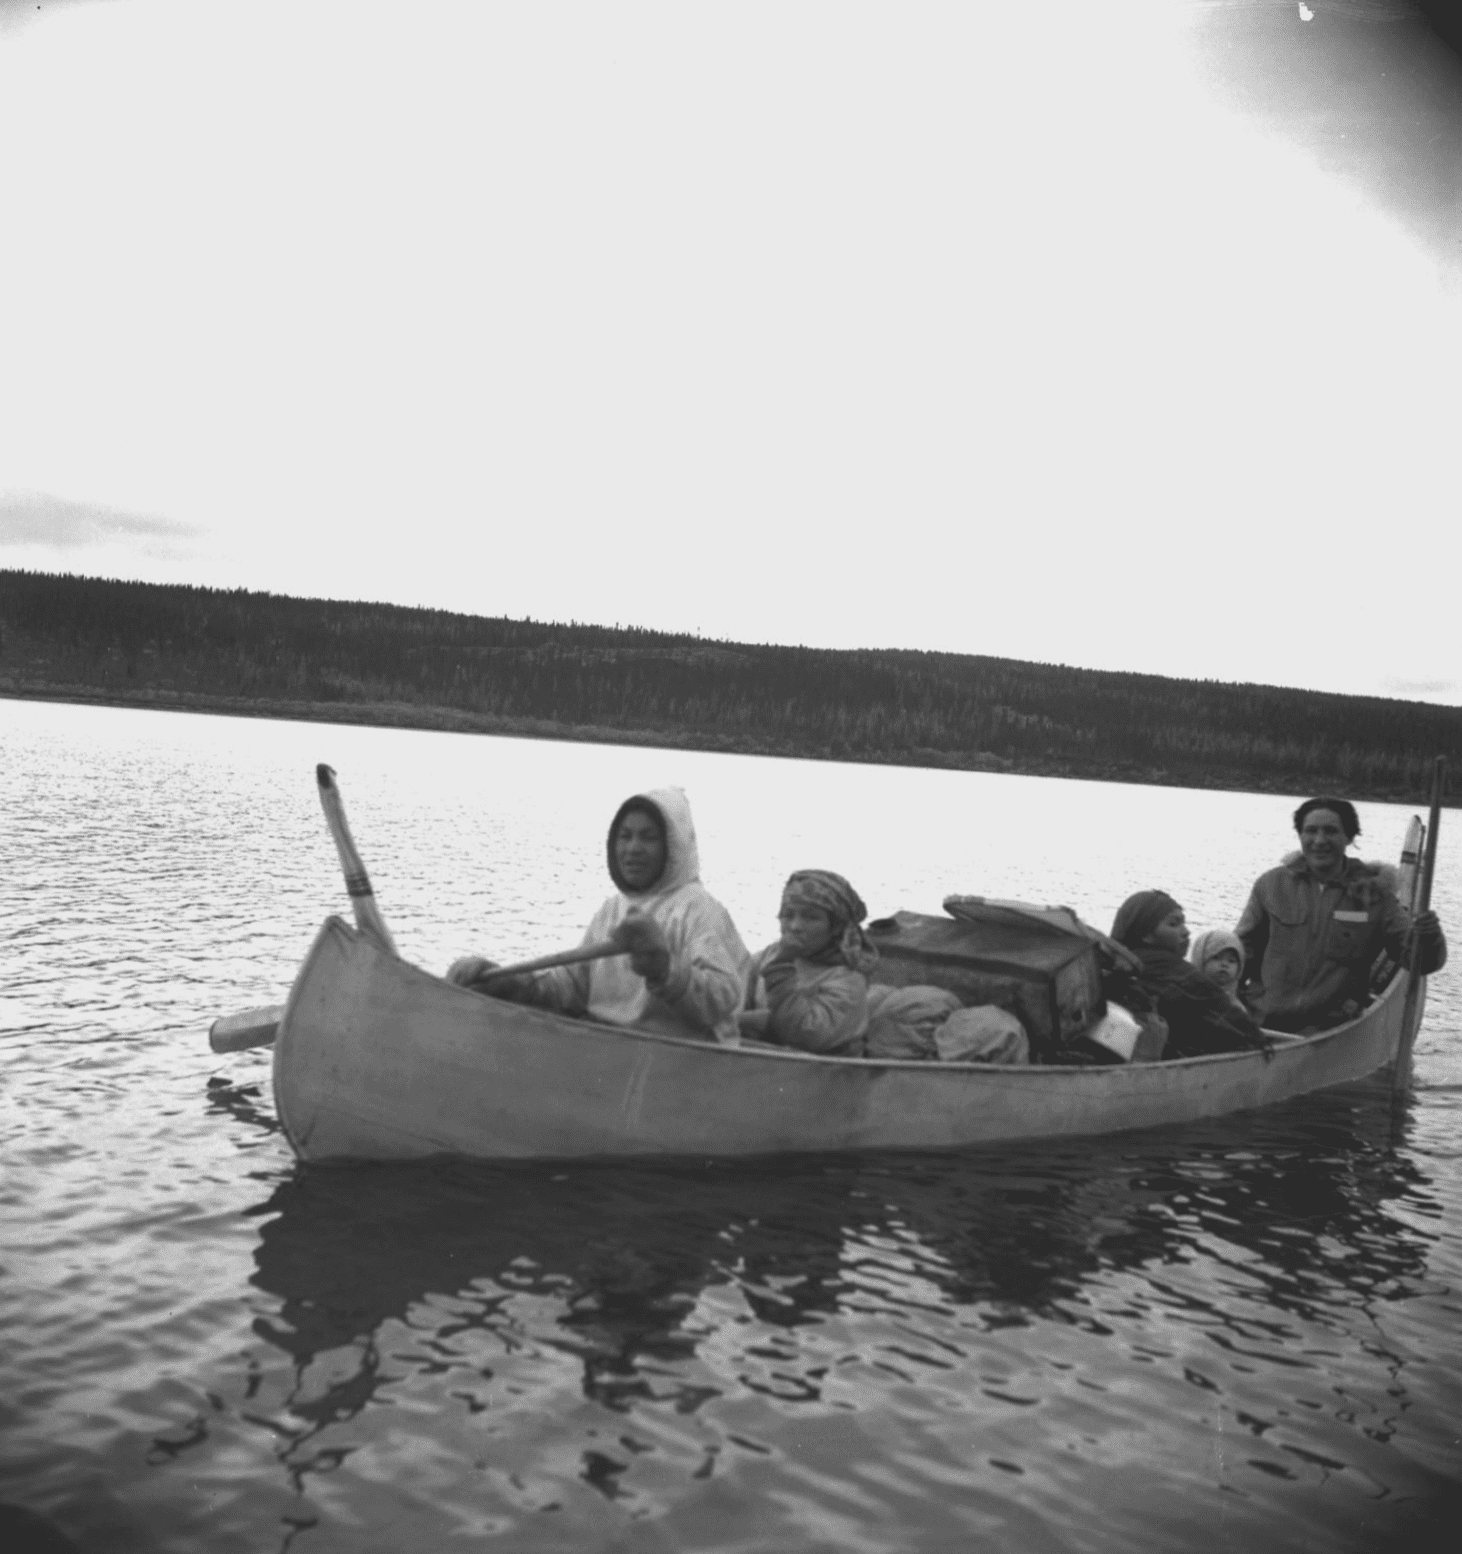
809 990
1201 1017
1219 955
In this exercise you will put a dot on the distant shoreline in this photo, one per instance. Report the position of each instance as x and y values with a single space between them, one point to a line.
450 720
175 647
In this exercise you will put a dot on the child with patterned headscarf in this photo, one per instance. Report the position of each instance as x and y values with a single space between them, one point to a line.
810 989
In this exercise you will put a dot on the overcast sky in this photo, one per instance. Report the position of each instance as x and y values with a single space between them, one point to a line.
1121 334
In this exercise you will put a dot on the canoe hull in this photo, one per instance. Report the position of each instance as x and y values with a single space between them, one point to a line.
378 1060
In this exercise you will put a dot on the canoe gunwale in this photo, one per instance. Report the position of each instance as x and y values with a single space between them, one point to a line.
599 1030
377 1059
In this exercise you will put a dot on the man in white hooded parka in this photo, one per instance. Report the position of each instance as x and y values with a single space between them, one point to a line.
686 966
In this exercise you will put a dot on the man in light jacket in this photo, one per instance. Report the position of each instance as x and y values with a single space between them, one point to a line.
1314 926
686 964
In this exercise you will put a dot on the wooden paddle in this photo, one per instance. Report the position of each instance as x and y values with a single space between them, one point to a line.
248 1028
357 882
1411 1015
602 949
258 1027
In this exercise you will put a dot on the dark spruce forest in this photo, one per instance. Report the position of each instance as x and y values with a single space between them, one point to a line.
201 649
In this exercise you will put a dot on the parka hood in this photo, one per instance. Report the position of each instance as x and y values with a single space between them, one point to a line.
682 857
1207 944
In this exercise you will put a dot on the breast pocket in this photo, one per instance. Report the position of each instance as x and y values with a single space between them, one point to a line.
1287 930
1348 935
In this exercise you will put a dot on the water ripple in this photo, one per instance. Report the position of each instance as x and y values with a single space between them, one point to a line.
1248 1324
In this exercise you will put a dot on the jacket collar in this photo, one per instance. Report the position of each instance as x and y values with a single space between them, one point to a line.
1354 868
1155 958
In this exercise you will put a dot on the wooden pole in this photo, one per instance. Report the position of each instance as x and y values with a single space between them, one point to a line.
1415 982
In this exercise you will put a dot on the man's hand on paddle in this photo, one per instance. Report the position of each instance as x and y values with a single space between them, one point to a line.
643 940
464 972
471 969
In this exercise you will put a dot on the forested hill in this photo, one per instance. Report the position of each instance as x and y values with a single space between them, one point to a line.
265 654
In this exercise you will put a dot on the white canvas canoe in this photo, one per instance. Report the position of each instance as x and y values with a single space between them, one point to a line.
376 1059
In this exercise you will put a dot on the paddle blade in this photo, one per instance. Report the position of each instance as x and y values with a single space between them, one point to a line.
357 882
248 1028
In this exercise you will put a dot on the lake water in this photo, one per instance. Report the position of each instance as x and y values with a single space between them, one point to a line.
1235 1336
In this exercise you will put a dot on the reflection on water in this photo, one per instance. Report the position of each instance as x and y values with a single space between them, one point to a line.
345 1248
1020 1288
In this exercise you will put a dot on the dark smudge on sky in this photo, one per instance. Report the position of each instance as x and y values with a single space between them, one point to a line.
1371 91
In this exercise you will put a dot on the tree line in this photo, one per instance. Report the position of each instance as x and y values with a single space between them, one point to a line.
130 641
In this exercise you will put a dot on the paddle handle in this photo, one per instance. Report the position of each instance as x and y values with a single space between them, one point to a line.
248 1028
601 949
357 882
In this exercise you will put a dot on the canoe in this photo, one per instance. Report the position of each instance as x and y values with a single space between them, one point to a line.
376 1059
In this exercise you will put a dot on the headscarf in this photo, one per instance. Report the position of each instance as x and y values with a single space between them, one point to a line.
831 893
1208 943
1139 915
